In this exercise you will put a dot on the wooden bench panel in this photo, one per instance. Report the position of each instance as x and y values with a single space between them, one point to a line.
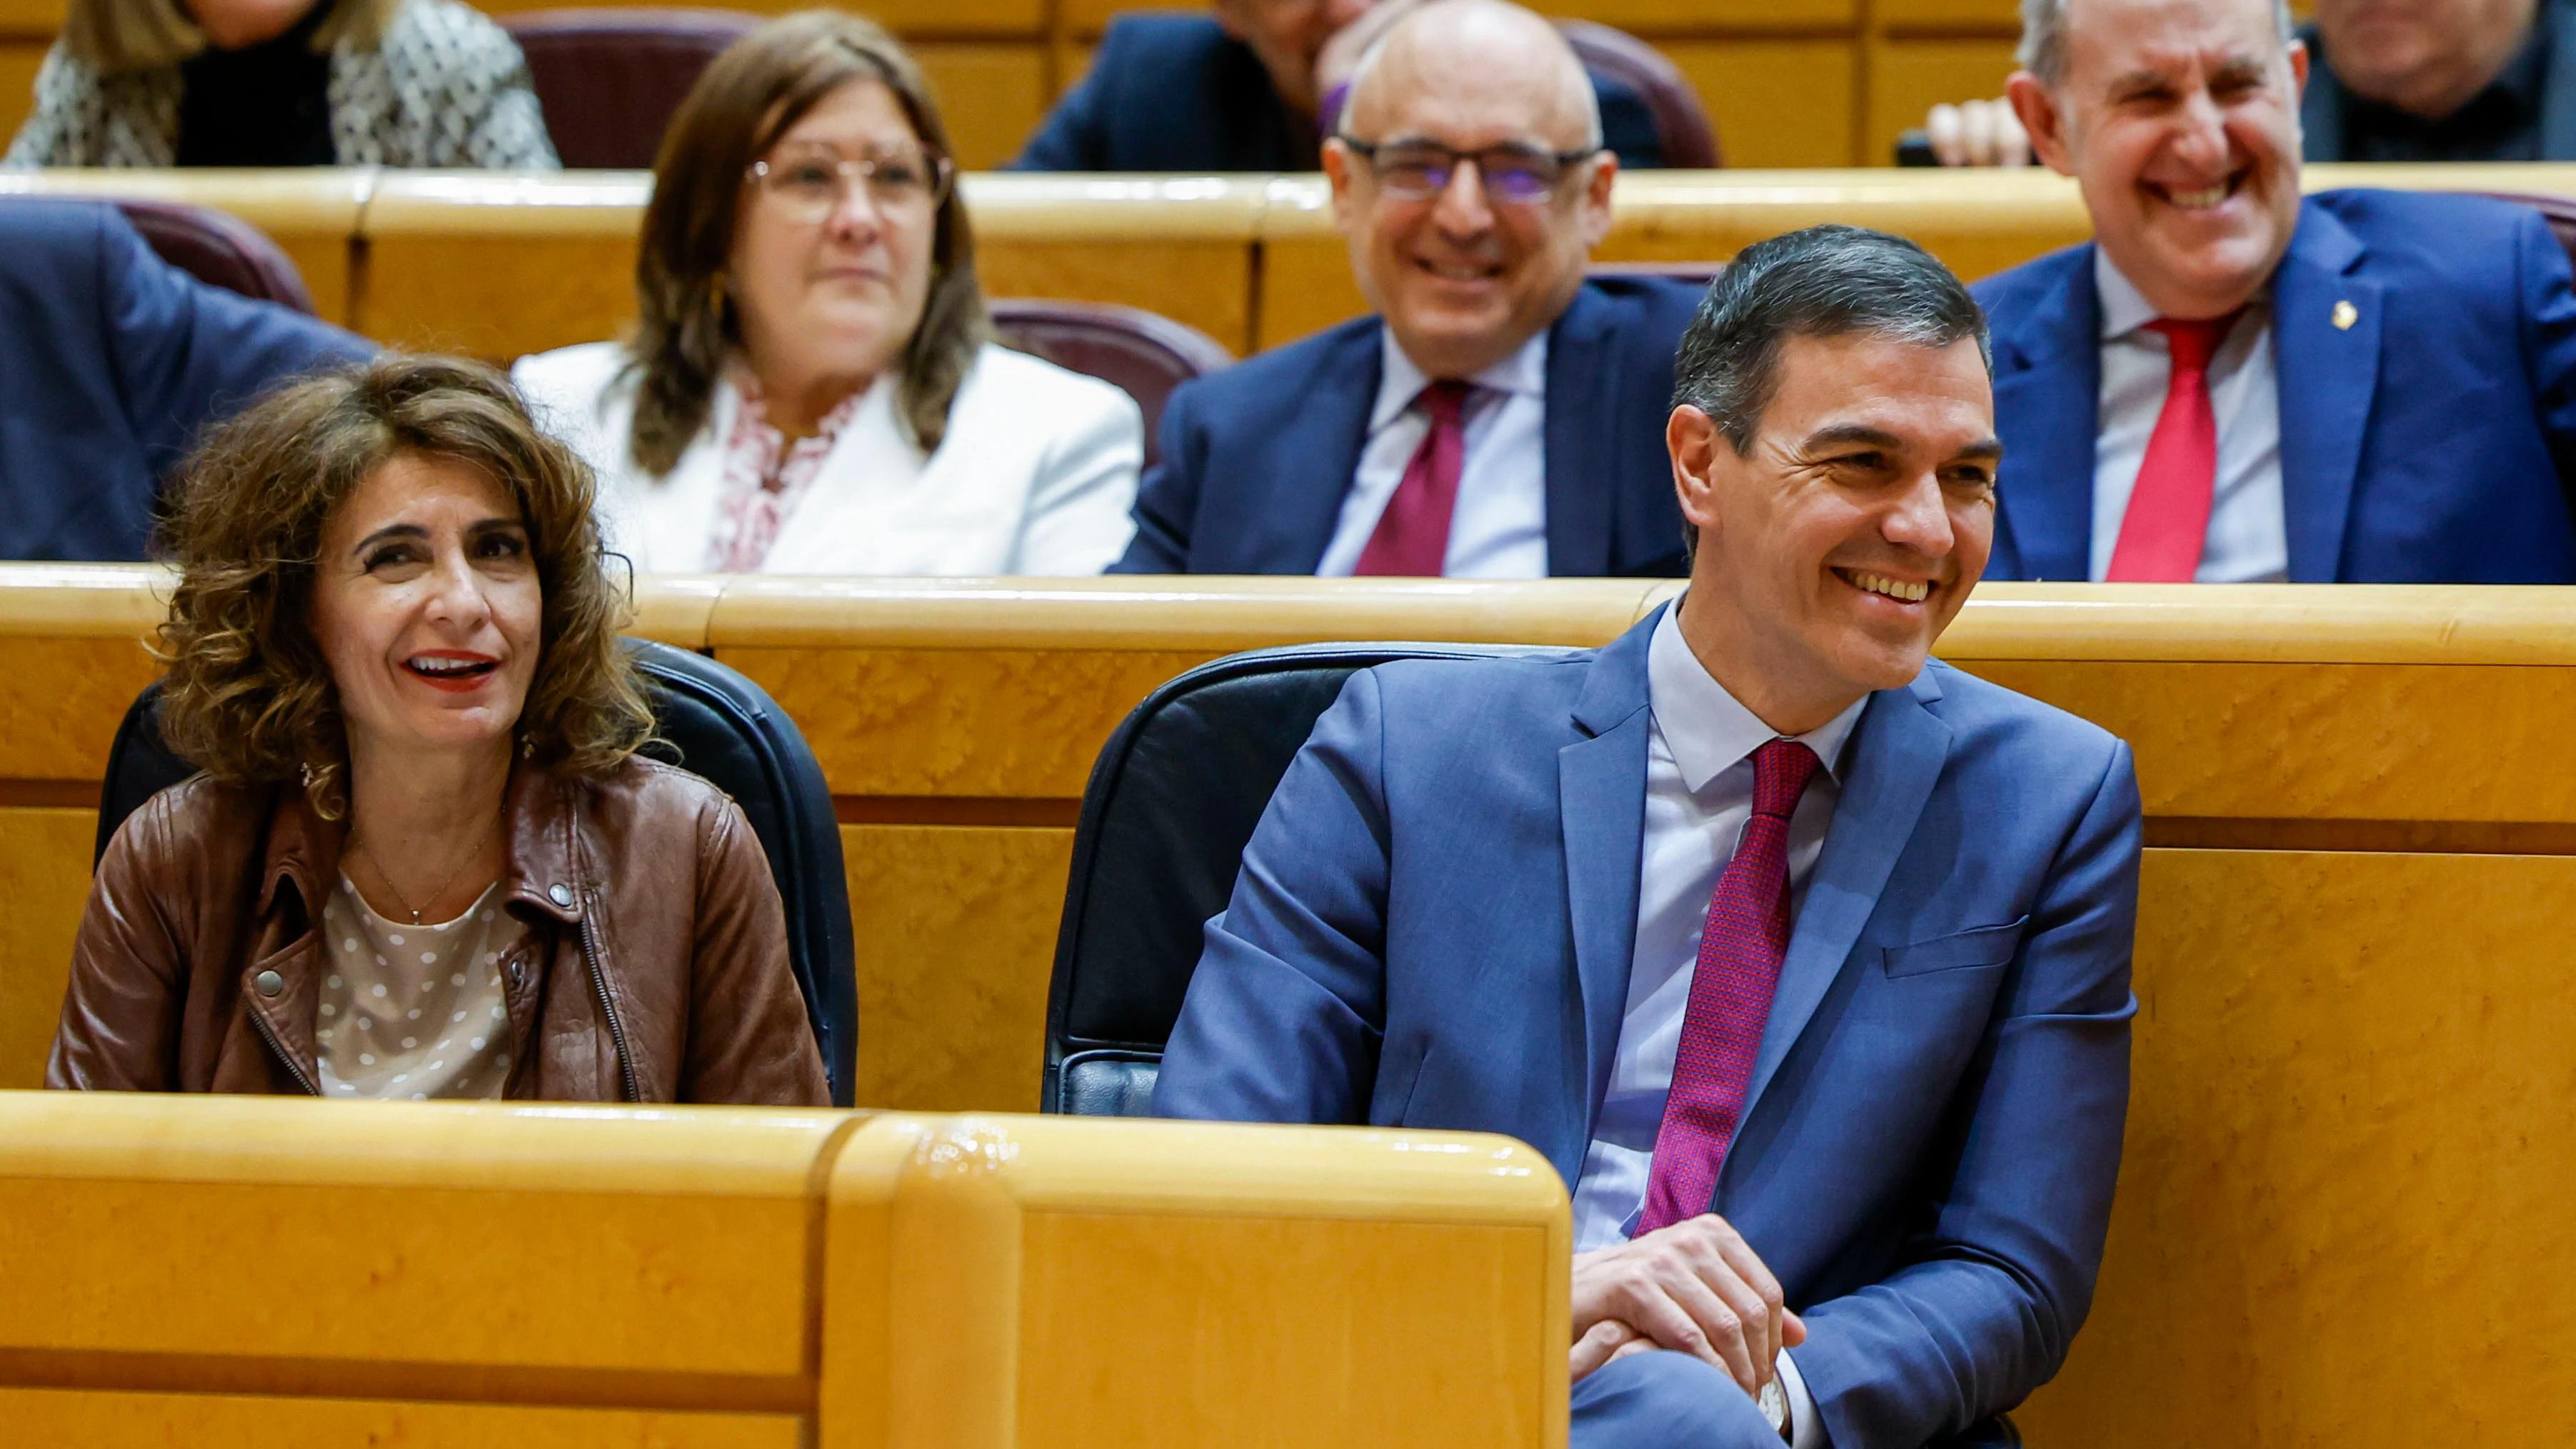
530 1254
96 1419
1284 1286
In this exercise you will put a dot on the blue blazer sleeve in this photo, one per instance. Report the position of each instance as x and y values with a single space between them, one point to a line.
1286 1011
1999 1280
186 352
1071 138
1167 501
2549 338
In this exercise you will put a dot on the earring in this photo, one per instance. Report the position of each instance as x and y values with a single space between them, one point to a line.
308 775
716 296
527 747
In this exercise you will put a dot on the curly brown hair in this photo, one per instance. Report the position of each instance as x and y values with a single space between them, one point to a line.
247 694
685 326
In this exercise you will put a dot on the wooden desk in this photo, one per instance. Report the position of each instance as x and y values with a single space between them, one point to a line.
245 1271
500 264
2360 880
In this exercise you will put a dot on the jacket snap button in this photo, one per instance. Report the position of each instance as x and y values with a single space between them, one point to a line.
560 894
269 983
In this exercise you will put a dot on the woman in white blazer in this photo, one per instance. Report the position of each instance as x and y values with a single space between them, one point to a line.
810 387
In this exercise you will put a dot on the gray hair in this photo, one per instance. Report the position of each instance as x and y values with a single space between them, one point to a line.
1825 281
2043 36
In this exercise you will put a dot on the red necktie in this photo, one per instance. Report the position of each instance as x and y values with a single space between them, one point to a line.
1412 536
1740 949
2168 518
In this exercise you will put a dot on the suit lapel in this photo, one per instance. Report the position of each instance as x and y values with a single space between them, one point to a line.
1320 455
2048 389
2325 345
1896 756
1582 392
1601 805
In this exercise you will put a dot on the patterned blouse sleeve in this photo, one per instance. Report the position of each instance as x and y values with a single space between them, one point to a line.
64 127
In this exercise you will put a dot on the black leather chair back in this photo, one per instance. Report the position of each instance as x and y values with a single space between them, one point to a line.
1170 806
712 721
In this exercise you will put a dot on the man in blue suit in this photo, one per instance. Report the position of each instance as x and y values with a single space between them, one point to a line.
2236 384
1500 417
1236 91
111 360
1804 960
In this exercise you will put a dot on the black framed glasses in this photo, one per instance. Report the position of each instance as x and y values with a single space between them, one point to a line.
1514 174
809 183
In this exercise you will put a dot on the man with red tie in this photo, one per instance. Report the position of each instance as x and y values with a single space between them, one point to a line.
2234 384
1804 959
1499 417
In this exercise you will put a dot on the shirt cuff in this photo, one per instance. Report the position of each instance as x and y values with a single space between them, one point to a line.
1806 1429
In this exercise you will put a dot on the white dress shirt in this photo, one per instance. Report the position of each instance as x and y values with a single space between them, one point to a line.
1037 474
1699 796
1499 527
2249 531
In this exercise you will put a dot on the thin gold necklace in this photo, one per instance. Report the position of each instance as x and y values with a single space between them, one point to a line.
378 866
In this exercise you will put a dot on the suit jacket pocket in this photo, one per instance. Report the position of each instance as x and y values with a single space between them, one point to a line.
1984 946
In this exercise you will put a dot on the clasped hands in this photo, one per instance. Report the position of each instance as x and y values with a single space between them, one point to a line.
1695 1288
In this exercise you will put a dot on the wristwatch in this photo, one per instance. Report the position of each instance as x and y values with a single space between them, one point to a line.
1774 1403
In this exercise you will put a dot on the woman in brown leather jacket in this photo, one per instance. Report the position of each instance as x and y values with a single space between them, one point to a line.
424 858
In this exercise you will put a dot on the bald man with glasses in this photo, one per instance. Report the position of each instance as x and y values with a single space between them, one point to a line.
1500 416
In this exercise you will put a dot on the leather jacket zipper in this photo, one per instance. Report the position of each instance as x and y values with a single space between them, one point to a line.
608 1007
278 1049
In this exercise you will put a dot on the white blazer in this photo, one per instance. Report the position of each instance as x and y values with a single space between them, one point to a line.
1036 476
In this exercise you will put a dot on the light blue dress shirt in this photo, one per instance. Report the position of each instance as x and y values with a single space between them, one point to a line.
1699 795
2249 531
1499 527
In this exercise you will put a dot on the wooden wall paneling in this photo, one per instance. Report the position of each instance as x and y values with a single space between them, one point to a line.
108 1419
1909 76
499 265
991 93
459 1251
1995 17
2352 1092
956 929
20 57
1097 238
1303 1288
1775 103
44 876
1683 17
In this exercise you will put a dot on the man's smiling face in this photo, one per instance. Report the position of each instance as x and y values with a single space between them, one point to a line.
2180 120
1836 548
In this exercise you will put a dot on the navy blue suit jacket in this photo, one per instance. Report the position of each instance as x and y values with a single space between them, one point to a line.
1434 924
111 360
1171 91
1256 459
2429 442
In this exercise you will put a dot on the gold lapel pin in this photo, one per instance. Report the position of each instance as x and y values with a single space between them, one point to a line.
2345 314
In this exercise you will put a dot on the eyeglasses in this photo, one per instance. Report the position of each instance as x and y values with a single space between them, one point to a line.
810 183
1514 175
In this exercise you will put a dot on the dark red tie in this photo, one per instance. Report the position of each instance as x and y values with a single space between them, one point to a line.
1412 537
2168 519
1740 949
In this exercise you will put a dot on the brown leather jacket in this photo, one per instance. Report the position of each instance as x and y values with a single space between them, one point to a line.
654 968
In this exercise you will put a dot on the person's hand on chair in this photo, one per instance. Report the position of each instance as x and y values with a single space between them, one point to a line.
1977 133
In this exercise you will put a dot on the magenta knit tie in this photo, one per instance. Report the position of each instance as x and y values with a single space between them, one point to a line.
1412 535
1740 949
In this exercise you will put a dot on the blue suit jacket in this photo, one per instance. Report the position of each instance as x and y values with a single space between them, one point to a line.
110 362
2430 442
1256 459
1434 924
1171 91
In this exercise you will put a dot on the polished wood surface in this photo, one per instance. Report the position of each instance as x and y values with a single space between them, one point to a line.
1105 1284
233 1271
501 264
